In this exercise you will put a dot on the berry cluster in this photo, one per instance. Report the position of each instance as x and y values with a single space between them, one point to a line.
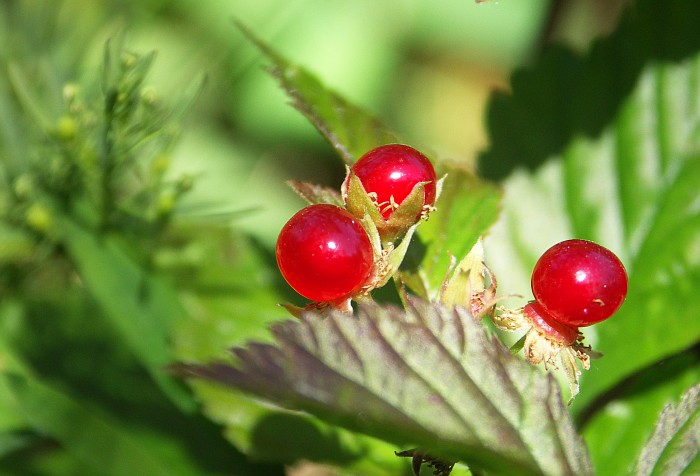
333 252
344 245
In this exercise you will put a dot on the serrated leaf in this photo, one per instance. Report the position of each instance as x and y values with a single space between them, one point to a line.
349 129
430 377
225 309
564 95
674 447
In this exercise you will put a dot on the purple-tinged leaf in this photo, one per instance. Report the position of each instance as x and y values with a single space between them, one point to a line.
313 193
429 378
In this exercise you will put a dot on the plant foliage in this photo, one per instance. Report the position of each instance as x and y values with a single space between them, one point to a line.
109 276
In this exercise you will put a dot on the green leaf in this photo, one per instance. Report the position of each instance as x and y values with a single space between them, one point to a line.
634 190
273 435
564 95
100 443
466 208
13 441
141 306
350 130
619 427
428 378
673 448
12 424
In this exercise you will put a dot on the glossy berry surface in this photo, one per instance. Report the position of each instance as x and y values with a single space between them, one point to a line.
579 283
391 171
324 253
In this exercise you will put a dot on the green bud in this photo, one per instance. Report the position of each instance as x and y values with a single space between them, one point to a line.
160 164
38 218
128 60
185 183
24 186
149 96
70 91
66 129
165 205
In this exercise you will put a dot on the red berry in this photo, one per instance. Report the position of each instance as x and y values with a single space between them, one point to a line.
324 253
391 171
579 283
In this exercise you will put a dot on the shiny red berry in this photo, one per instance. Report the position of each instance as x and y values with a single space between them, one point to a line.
324 253
579 283
391 171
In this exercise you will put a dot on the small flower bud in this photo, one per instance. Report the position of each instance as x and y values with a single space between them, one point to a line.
38 218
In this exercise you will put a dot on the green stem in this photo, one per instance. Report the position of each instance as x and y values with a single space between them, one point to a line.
107 159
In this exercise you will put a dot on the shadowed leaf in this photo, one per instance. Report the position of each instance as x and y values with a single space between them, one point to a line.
140 306
564 95
105 446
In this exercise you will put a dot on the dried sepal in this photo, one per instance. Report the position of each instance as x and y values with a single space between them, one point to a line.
314 194
542 346
343 305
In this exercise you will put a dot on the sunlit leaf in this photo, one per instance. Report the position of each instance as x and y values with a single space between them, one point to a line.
428 378
645 209
674 448
619 427
634 190
349 129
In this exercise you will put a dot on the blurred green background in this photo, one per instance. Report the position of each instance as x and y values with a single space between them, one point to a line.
425 68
